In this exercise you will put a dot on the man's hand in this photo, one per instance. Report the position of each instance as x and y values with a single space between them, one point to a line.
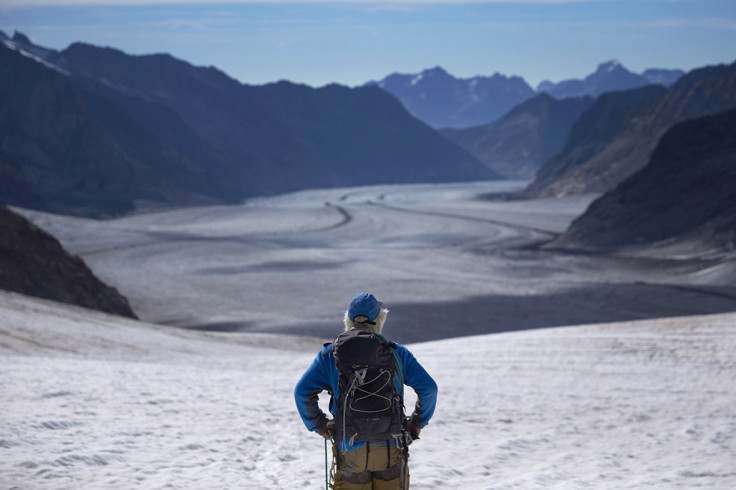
327 430
413 429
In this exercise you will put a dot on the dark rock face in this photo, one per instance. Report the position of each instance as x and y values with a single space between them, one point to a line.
443 101
32 262
61 157
688 189
617 135
521 141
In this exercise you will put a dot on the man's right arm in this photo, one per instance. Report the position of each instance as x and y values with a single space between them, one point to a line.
306 394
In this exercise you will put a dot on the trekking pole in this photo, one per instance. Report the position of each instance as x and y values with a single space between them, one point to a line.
405 462
326 473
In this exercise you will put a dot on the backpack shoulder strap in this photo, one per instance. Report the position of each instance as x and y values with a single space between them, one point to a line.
327 348
398 363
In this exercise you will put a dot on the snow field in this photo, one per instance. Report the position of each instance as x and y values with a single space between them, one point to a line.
627 405
249 267
443 259
94 401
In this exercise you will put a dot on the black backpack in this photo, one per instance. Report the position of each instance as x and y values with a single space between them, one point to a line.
370 407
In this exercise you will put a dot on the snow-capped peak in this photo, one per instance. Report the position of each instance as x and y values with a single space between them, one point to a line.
609 66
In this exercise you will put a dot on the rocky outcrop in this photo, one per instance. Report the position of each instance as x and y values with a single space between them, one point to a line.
33 263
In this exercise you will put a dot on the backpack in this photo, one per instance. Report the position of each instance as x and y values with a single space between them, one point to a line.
370 407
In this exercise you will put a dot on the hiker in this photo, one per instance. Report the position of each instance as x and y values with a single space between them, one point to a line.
369 431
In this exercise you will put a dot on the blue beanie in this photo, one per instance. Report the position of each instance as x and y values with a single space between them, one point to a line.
364 304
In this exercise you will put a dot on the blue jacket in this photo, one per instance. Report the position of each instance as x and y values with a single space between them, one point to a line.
323 375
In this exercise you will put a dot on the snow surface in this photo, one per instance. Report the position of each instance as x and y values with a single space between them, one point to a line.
95 401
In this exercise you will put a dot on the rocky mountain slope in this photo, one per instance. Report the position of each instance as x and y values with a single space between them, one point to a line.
590 135
522 140
95 131
625 129
687 192
33 263
66 150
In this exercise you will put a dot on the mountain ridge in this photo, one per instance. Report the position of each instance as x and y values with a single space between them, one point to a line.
190 135
609 76
623 145
446 102
521 141
441 100
685 192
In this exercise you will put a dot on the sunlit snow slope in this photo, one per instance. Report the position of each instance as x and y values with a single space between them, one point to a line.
95 401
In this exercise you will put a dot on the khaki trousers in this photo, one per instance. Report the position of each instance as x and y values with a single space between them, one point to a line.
371 467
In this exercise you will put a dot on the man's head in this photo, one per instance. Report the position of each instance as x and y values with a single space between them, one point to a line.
365 312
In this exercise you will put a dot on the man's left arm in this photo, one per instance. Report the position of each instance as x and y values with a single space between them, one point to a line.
424 386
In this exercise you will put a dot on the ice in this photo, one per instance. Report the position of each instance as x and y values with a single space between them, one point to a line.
446 261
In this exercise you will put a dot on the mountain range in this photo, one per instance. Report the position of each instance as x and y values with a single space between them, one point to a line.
608 77
444 101
441 100
616 136
94 131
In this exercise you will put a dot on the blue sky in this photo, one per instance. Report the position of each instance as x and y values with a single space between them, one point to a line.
351 42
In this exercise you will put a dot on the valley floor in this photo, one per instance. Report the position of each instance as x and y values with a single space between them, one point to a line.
444 260
95 401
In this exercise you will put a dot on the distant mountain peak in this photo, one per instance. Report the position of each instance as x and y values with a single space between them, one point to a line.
430 73
20 38
442 100
610 66
609 76
437 70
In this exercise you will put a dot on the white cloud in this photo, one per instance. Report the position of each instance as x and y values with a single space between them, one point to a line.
710 23
381 4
